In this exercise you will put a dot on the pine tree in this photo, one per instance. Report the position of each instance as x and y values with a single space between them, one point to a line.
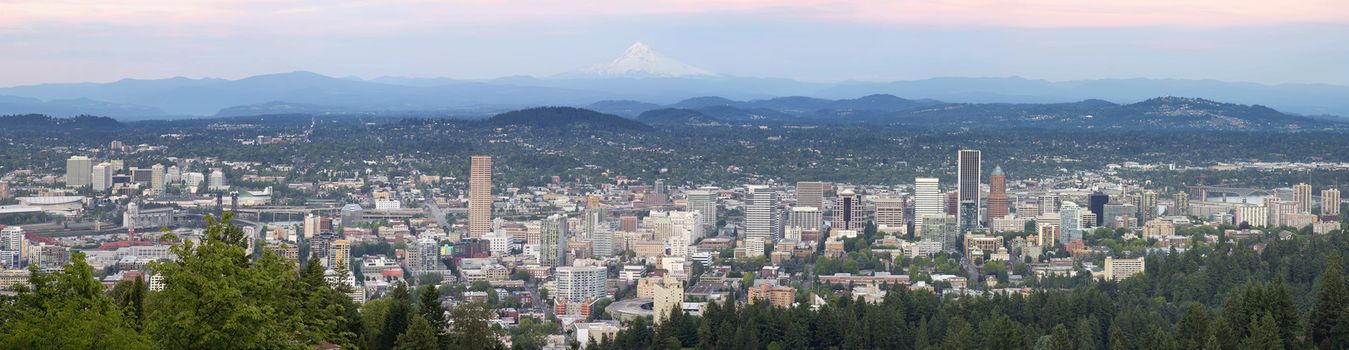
420 335
1332 305
1058 338
396 321
433 312
1263 334
959 336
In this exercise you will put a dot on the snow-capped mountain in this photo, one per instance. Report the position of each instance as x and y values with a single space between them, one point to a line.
641 61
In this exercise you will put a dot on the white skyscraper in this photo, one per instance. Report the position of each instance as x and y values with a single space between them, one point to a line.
927 200
761 215
101 177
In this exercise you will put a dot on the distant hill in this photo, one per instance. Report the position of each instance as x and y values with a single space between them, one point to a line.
627 108
45 122
73 107
565 117
185 97
677 116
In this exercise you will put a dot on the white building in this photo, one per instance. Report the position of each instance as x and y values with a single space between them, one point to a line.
576 283
927 201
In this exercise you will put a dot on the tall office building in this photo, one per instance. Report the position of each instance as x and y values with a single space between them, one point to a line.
100 177
997 194
969 172
805 218
602 243
1302 196
761 216
1330 201
553 241
848 211
705 202
479 196
1096 204
339 255
810 194
890 212
1049 203
941 228
78 169
667 295
157 179
927 200
1182 201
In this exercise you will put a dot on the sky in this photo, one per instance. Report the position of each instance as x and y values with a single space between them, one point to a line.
1263 41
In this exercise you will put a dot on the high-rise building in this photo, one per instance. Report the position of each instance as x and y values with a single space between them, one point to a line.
847 211
13 240
997 194
78 169
941 228
1252 215
1070 216
1049 203
805 218
217 181
927 200
553 241
969 172
1330 201
423 256
1147 205
157 179
311 225
1302 196
479 196
666 297
761 215
705 202
576 283
889 212
602 243
339 255
1182 201
100 177
810 194
1096 204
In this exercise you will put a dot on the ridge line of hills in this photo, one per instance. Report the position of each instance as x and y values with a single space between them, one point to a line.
1161 113
307 92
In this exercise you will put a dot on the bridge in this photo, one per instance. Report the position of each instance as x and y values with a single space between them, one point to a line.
1203 192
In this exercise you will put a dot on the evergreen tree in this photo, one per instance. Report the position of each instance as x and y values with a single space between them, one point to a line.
433 312
959 336
1263 334
1332 306
396 320
420 335
1058 338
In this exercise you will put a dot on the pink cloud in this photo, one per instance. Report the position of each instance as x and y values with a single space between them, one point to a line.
221 17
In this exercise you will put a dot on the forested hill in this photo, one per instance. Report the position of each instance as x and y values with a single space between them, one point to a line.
41 121
565 117
1162 113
